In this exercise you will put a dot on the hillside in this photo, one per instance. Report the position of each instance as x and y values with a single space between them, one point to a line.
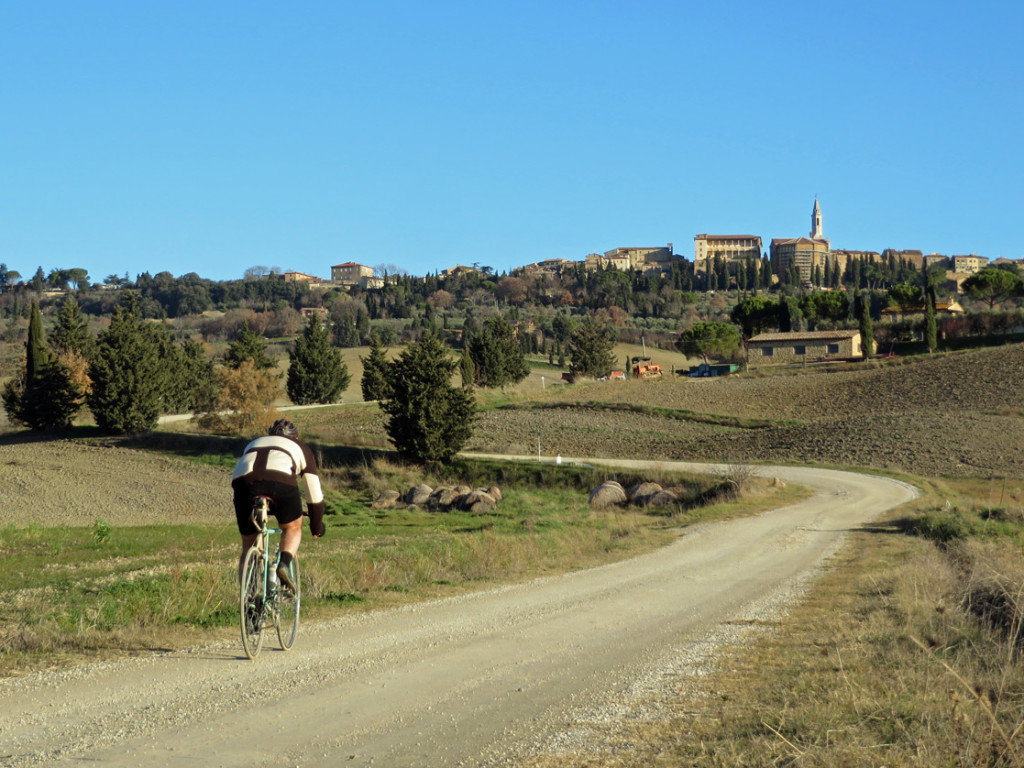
959 413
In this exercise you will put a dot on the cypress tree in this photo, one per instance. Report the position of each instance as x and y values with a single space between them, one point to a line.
36 353
44 397
867 332
466 369
931 334
374 383
316 372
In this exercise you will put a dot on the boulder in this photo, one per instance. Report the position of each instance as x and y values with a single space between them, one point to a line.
386 500
477 500
495 493
443 497
418 494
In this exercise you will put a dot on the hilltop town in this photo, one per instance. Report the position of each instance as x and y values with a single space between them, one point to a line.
721 262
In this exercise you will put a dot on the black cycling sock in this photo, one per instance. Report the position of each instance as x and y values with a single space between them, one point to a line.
285 559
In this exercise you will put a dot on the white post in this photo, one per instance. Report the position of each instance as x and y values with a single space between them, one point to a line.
538 445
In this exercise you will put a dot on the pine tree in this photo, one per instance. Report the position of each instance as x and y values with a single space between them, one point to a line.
316 373
591 348
129 378
191 383
72 331
428 419
249 346
374 383
497 356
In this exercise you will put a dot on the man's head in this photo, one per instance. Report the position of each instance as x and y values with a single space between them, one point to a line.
283 428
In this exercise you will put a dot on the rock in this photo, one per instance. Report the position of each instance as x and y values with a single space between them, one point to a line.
386 500
443 497
607 494
495 493
418 494
477 500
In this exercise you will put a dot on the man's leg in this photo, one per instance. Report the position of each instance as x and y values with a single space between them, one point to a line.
291 536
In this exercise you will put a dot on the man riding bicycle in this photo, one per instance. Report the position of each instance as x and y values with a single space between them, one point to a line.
273 466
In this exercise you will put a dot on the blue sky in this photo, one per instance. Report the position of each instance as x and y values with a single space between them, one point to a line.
211 137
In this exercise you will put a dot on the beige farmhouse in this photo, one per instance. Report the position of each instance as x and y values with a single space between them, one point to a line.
802 346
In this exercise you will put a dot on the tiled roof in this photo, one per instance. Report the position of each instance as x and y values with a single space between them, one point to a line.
806 336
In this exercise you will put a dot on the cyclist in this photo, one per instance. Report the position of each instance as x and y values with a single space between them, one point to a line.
273 466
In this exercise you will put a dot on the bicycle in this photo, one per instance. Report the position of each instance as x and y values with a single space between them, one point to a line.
263 602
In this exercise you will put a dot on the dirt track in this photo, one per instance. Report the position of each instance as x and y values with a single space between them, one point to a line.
473 680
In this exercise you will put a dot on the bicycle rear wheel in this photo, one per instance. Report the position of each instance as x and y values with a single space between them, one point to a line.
288 604
250 602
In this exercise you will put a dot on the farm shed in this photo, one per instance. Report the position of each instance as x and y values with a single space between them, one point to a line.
802 346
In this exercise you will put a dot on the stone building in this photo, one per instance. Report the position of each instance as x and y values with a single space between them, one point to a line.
350 273
803 346
802 253
731 248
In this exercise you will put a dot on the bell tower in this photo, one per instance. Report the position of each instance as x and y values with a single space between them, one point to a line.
816 230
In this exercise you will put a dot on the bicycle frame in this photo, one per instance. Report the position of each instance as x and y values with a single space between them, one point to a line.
258 603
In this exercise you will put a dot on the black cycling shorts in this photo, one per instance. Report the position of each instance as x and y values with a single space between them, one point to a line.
285 504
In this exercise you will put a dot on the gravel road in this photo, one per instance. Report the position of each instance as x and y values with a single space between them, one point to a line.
479 679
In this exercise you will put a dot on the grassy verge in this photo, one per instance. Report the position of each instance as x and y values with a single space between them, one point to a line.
905 653
73 594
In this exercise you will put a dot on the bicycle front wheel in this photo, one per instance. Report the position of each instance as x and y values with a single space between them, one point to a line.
288 604
250 602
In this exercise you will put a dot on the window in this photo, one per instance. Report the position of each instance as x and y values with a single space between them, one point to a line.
799 349
767 351
833 349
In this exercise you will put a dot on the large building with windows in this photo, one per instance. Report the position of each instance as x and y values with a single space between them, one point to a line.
731 248
350 273
802 253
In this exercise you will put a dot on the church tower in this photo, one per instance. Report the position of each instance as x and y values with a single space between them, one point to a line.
816 231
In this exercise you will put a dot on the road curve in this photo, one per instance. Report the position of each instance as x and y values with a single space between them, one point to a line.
458 681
